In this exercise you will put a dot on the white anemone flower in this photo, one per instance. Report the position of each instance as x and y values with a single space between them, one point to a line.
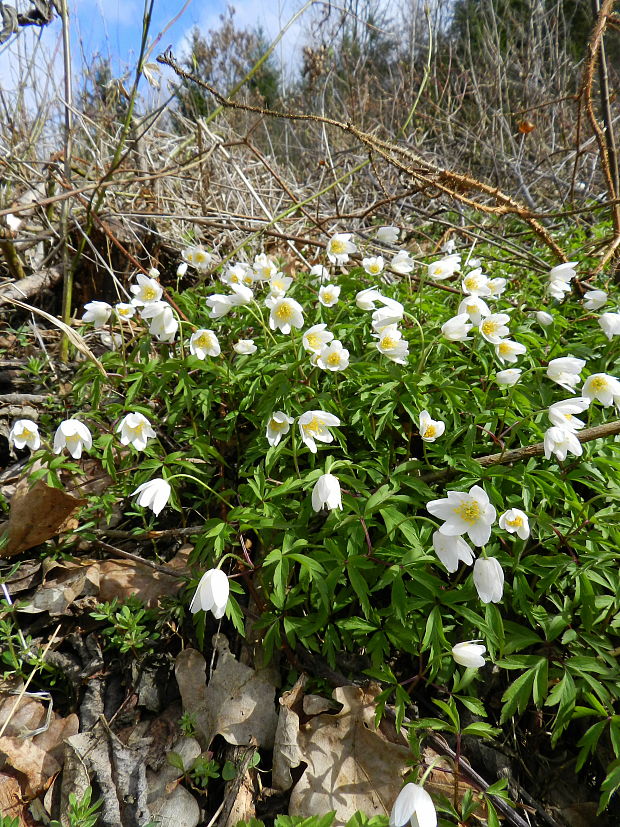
333 357
457 328
509 377
543 318
413 805
474 307
264 268
326 493
444 267
373 265
557 289
494 327
602 387
74 436
236 273
469 654
402 263
451 550
563 413
182 269
124 310
98 313
430 429
147 290
489 579
565 371
111 340
198 257
244 347
329 294
476 283
389 314
319 273
449 246
563 272
388 234
465 513
594 299
204 343
392 344
153 494
24 433
515 521
136 430
561 441
278 426
508 351
496 286
211 594
339 247
366 299
279 284
315 425
162 323
316 337
285 314
610 324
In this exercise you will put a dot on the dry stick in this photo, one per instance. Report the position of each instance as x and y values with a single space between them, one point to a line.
604 143
452 183
30 286
518 454
140 560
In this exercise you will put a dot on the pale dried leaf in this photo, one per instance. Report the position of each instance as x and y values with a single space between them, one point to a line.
351 765
36 766
11 800
36 515
286 752
238 702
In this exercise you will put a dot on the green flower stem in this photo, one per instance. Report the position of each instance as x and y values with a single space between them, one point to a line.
200 482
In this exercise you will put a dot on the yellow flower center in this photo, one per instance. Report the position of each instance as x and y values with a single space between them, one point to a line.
284 312
26 432
469 512
277 284
149 294
123 311
516 523
313 340
333 358
472 282
203 341
598 384
374 268
234 278
337 246
277 426
314 426
430 431
328 297
472 308
504 348
200 257
489 327
387 343
248 280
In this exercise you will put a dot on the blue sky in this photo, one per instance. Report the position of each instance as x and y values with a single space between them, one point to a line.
113 28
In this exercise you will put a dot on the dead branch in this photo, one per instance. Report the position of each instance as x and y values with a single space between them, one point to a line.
30 286
527 451
402 158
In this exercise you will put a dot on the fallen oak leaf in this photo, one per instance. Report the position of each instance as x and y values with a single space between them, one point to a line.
36 514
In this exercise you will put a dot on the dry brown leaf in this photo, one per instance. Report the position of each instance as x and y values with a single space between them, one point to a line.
286 749
29 713
351 765
122 578
441 781
36 765
238 703
36 514
11 800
